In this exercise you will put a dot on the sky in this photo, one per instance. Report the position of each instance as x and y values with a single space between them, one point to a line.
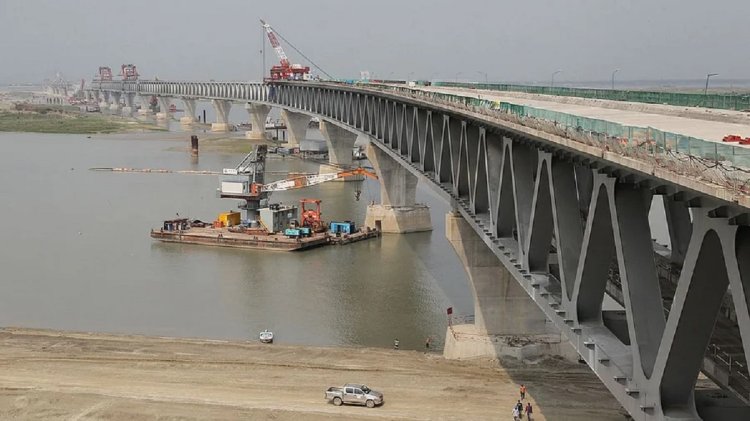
512 41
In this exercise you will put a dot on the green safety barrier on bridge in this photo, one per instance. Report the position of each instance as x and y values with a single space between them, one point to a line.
657 140
738 102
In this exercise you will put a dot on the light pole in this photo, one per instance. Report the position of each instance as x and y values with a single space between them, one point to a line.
552 85
456 77
613 78
708 76
485 76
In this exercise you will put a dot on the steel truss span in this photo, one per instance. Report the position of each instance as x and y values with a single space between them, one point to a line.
561 218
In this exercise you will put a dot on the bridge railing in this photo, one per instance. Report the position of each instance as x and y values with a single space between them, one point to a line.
732 101
715 162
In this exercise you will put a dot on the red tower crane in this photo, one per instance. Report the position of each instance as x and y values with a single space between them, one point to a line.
284 70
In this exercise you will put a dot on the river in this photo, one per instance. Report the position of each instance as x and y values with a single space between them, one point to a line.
76 253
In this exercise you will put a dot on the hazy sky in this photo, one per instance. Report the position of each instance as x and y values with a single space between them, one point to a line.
519 40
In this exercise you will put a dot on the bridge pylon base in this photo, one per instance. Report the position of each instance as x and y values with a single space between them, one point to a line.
186 121
398 219
219 127
467 341
249 134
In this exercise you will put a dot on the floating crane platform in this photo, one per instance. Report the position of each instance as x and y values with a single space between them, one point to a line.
224 237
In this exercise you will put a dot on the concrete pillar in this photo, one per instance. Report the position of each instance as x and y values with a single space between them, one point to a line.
164 104
189 114
340 145
258 114
221 107
104 104
145 105
115 98
129 104
296 126
506 321
398 211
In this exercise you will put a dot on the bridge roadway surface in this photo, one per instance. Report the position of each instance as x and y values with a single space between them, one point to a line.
708 127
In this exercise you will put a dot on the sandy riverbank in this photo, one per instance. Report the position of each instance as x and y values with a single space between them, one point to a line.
61 375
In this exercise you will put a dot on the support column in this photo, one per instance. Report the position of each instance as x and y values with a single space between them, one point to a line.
340 144
129 104
296 126
221 107
188 116
115 97
398 211
104 104
506 321
164 104
258 114
145 105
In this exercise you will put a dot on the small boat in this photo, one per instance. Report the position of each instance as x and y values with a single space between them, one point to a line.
266 336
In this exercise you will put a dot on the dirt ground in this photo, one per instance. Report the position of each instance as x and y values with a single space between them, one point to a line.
81 376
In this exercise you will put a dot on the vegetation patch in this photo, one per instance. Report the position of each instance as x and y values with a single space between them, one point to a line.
65 119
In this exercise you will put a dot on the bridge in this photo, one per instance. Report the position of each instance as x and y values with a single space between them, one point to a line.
551 222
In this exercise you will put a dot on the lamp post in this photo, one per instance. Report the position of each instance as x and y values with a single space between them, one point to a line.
613 78
485 76
456 77
708 76
552 85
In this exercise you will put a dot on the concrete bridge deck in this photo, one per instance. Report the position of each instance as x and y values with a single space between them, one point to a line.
711 127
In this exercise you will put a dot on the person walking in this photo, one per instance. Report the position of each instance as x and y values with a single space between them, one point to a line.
427 343
529 411
395 343
519 408
523 392
516 414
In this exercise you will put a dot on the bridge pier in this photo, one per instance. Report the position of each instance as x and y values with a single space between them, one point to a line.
164 104
104 103
222 108
507 322
129 104
296 126
340 143
145 105
188 117
398 211
115 98
258 114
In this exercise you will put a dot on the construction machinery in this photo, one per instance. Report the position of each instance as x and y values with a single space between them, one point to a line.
284 70
105 74
129 72
246 181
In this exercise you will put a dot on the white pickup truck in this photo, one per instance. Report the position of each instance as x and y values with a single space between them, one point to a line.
354 394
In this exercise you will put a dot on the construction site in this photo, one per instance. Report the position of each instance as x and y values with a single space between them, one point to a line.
267 225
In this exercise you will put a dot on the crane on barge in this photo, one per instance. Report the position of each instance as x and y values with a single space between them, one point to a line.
247 181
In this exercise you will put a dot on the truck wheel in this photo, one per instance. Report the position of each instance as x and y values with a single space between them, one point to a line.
337 401
370 403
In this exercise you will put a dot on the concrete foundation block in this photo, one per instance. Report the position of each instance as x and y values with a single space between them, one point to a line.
219 127
398 219
127 111
144 111
187 120
466 341
162 116
255 135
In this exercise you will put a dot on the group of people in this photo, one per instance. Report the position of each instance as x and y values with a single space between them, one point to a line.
519 410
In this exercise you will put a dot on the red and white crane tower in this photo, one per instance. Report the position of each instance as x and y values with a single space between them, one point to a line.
284 70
